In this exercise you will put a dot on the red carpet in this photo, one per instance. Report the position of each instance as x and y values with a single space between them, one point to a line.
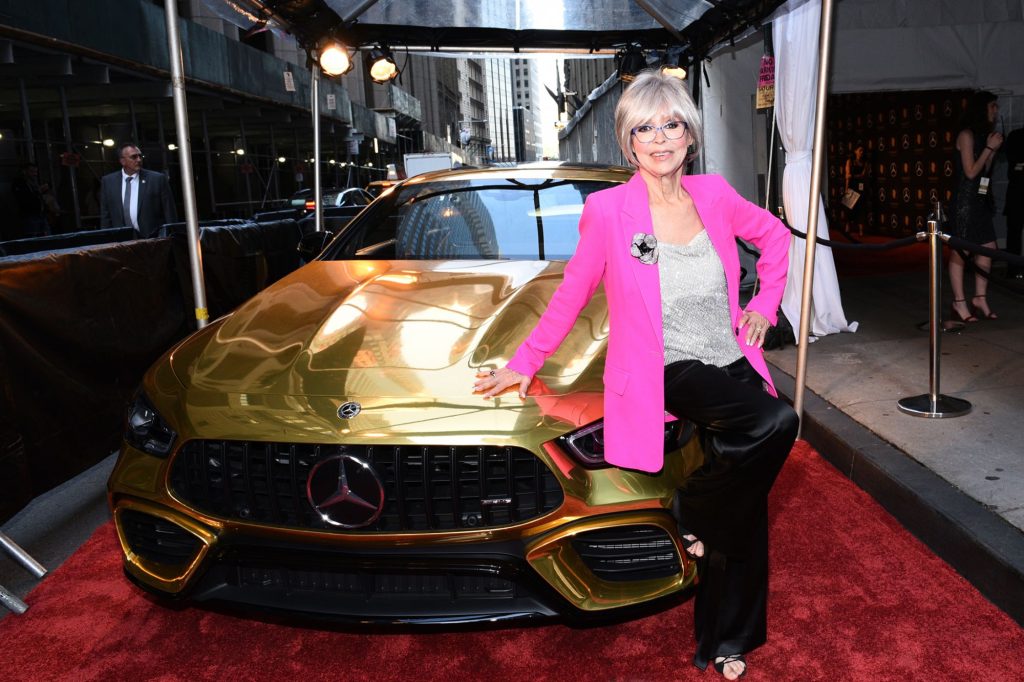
854 597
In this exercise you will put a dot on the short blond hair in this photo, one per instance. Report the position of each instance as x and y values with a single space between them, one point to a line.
651 93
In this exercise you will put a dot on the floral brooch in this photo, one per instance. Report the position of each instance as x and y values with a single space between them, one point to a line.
644 248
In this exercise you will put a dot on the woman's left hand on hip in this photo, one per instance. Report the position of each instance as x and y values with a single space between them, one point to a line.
755 326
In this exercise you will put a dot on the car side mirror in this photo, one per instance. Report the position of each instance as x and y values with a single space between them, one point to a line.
310 245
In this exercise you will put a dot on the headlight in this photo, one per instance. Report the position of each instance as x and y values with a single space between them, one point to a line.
146 430
587 444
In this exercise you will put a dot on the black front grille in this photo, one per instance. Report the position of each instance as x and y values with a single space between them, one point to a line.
425 487
157 540
628 553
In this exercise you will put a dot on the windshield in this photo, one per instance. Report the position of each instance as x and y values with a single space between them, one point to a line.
493 218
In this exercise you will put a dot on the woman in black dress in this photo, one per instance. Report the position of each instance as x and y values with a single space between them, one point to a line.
973 207
856 175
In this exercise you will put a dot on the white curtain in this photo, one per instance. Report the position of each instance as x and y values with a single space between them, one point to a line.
795 34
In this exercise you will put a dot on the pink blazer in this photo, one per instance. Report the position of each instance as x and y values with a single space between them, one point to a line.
634 396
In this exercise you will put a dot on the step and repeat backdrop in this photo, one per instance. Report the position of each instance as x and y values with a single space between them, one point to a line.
898 149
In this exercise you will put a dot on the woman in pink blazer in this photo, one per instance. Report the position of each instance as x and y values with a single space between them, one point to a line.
664 245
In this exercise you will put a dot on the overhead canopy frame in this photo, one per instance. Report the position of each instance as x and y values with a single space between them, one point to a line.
522 26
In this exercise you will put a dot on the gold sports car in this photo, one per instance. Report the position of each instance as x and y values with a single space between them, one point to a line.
320 449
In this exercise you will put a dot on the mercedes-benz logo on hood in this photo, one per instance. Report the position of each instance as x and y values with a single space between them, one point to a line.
345 491
349 410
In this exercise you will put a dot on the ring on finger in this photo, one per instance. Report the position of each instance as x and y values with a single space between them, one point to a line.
491 372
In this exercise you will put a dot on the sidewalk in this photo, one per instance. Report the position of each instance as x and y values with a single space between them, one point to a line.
956 483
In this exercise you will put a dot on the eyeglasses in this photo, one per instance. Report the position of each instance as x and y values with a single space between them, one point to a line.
136 156
672 130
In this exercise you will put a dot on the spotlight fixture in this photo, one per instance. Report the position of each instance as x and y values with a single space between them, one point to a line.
382 64
334 59
629 62
673 63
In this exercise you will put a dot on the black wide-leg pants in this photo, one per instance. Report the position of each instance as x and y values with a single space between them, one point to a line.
746 435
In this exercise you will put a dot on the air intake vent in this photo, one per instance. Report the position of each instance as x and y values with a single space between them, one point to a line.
157 540
628 553
376 583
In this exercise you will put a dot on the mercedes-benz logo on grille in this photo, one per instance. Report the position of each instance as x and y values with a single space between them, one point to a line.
345 491
349 410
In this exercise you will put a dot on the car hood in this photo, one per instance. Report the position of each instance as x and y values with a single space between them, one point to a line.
402 330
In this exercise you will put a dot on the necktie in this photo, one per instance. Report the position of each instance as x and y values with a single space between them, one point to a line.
128 201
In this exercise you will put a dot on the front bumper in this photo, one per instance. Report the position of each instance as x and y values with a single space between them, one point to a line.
580 570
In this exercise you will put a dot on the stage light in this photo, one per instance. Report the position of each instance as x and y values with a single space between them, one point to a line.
676 71
108 142
240 151
334 59
382 65
280 159
673 63
171 146
629 62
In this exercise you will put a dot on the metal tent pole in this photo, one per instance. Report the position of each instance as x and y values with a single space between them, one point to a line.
11 601
8 599
195 255
811 246
314 95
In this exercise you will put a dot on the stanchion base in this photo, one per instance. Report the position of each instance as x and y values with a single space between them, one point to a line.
944 406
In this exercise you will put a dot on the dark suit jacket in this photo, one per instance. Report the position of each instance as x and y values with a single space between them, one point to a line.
156 205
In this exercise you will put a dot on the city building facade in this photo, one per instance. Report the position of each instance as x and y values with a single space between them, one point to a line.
75 87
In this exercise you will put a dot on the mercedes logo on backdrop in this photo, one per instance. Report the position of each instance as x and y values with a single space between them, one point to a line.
345 491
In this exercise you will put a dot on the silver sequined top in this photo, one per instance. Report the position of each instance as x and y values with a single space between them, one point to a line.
695 304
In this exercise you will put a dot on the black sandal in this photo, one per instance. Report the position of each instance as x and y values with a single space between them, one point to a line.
732 658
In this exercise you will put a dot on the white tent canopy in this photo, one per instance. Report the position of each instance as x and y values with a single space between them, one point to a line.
796 68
